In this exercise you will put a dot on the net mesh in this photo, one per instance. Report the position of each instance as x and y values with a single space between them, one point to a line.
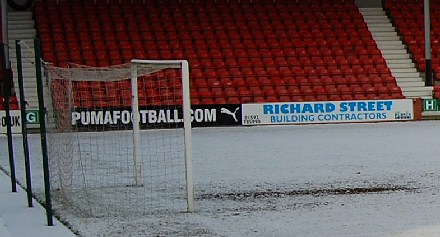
83 87
90 140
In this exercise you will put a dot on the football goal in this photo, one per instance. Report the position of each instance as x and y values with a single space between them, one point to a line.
119 138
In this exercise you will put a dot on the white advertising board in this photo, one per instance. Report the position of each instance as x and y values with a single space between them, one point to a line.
327 112
15 120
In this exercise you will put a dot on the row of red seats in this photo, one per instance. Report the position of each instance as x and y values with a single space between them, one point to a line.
193 5
300 20
89 100
314 11
237 57
287 29
220 16
325 45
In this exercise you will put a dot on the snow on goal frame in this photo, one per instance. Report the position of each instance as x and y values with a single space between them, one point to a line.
109 154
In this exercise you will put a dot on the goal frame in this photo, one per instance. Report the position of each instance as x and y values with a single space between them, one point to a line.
186 107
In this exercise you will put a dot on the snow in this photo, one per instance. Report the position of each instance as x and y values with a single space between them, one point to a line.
366 180
17 219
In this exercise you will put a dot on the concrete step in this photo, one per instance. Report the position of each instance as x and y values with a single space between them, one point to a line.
393 51
30 43
398 61
28 80
370 9
403 70
28 83
20 35
23 47
386 38
396 56
25 41
383 34
27 67
378 21
18 16
21 13
372 14
368 17
393 46
400 75
24 54
28 92
388 42
25 24
401 65
382 28
21 31
415 92
409 79
27 64
410 84
419 88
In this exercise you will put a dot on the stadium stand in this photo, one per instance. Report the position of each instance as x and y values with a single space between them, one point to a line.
409 19
248 51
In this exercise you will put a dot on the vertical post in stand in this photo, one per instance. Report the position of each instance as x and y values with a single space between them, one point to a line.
4 22
42 112
27 165
428 62
6 67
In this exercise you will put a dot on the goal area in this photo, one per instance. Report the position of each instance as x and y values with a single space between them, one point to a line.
119 138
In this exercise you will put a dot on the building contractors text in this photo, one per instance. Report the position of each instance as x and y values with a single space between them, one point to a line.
327 112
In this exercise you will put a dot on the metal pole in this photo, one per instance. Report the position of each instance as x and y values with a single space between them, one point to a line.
42 112
6 94
428 70
27 165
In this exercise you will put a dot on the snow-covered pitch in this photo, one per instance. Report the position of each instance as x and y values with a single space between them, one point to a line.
345 180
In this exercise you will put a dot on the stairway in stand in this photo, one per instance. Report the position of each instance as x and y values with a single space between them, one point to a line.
395 54
21 27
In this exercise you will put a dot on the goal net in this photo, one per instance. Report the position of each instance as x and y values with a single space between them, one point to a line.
119 138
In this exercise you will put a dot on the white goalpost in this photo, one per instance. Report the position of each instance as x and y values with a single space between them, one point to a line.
119 138
186 106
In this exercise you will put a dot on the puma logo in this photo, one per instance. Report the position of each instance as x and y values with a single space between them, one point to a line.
233 114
